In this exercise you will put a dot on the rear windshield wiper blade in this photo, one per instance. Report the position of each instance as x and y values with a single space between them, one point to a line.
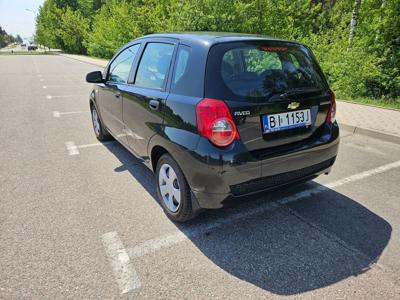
299 91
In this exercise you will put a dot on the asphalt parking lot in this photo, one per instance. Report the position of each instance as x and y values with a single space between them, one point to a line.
79 219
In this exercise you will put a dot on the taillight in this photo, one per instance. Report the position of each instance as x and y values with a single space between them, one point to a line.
214 121
332 109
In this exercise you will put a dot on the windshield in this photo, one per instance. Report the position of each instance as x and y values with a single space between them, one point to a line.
260 70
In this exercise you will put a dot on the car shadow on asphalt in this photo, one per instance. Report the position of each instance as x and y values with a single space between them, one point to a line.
294 248
302 246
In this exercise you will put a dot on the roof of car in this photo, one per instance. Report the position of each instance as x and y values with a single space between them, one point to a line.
211 38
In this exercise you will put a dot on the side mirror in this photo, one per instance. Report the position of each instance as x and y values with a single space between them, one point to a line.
94 77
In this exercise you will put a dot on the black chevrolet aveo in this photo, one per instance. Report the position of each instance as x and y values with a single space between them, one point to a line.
217 116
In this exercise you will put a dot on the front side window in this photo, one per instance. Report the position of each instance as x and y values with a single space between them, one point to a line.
154 65
122 64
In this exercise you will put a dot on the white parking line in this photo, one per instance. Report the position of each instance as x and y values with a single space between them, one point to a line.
66 96
73 149
63 85
57 114
169 240
158 243
364 174
124 273
92 145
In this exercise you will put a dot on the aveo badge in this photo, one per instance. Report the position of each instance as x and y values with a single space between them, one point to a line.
242 113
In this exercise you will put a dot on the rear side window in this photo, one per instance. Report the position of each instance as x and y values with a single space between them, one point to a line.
154 65
181 63
121 66
188 72
251 70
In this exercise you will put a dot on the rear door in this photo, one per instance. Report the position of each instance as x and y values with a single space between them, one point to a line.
275 90
144 99
109 98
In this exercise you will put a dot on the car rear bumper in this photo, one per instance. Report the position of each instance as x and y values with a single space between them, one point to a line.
216 176
213 201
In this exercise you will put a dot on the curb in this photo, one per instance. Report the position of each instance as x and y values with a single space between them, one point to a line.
366 104
371 133
84 61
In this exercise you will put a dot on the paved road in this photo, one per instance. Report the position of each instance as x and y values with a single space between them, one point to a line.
87 225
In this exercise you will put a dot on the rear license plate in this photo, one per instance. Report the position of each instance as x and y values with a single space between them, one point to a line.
286 120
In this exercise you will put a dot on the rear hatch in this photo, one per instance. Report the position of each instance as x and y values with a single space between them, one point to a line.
276 91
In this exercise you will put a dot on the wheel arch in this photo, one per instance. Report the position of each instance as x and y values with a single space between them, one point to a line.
176 142
156 152
93 102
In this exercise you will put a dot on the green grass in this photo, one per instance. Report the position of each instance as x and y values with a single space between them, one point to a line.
395 104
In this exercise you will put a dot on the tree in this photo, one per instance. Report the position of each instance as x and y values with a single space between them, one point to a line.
48 23
353 22
5 38
357 42
114 25
72 31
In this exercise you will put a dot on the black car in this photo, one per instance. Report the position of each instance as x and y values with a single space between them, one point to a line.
32 47
217 116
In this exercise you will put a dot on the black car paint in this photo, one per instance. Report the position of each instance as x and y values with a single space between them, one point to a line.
209 170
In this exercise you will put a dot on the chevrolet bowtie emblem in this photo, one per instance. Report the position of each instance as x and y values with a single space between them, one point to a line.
293 105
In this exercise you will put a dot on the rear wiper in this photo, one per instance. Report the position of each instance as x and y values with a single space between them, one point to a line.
298 91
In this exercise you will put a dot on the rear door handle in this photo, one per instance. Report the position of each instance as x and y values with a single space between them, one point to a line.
117 94
154 104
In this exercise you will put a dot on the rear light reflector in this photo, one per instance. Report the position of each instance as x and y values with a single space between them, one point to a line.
330 118
214 121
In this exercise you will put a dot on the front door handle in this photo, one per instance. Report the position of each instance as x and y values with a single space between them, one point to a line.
117 94
154 104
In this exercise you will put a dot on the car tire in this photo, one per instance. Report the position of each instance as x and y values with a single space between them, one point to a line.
99 130
173 191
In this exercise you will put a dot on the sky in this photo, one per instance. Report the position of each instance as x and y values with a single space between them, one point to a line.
16 20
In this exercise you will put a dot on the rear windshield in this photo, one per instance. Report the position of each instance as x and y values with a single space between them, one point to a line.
259 70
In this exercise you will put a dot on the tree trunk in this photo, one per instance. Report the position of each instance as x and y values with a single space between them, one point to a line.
353 23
